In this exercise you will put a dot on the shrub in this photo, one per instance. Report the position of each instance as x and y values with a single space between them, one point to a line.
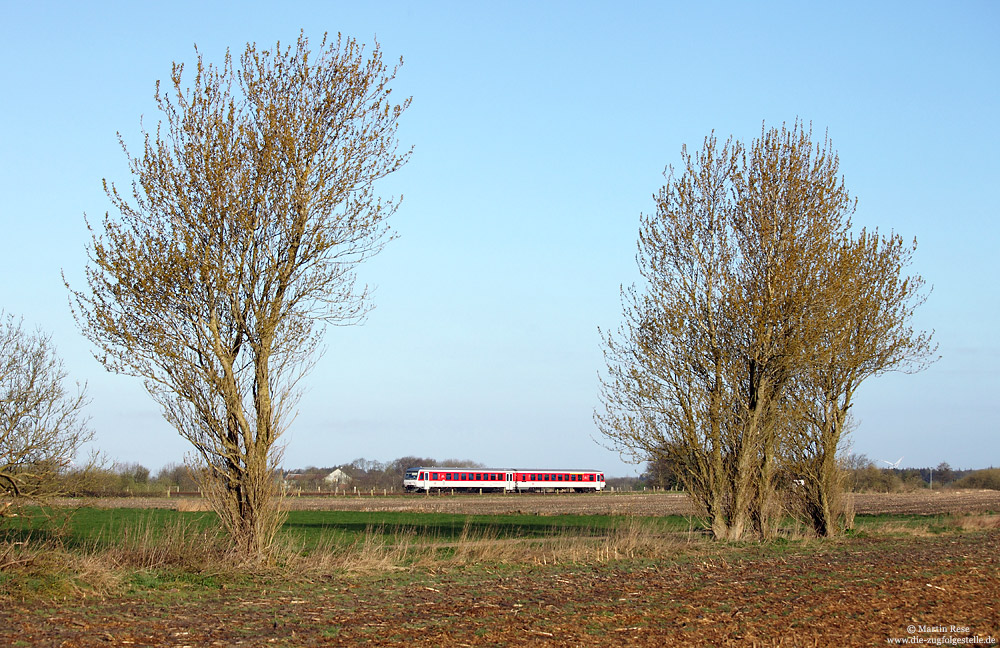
988 478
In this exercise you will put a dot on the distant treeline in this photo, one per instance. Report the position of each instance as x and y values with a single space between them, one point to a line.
863 476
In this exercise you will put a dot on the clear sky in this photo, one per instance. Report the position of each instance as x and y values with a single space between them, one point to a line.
541 131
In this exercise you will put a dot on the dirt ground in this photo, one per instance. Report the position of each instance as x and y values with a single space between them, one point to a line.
855 592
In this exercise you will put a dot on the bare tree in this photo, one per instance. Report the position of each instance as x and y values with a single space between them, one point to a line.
864 330
42 425
668 390
251 206
747 281
791 212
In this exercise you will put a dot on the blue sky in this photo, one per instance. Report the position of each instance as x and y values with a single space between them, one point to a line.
541 131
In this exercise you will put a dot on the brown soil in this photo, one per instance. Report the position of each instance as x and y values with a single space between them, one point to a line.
853 592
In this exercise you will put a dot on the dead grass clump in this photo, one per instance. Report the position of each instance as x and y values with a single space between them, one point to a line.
188 505
179 545
374 551
51 568
975 521
904 527
379 550
629 540
45 568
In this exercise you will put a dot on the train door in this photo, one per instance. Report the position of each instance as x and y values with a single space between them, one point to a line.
510 481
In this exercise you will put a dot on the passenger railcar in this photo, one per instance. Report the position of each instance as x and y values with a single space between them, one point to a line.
501 480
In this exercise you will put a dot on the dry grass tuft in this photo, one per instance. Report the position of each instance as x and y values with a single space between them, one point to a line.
189 505
179 544
975 521
379 550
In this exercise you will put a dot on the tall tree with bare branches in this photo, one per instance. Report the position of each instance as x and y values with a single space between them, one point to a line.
749 310
42 425
866 330
251 206
668 391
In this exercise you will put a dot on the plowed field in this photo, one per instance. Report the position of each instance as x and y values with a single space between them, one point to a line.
626 503
876 589
856 592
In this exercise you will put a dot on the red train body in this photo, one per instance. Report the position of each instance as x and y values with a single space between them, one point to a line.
501 480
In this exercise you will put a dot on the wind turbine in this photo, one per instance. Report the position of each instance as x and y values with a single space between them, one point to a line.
891 464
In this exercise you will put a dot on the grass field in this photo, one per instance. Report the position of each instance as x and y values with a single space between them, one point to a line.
128 577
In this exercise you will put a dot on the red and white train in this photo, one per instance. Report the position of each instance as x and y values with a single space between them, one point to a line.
501 479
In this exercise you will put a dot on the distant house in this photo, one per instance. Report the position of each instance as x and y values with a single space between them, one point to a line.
337 478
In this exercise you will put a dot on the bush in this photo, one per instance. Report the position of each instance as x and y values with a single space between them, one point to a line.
988 478
870 479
